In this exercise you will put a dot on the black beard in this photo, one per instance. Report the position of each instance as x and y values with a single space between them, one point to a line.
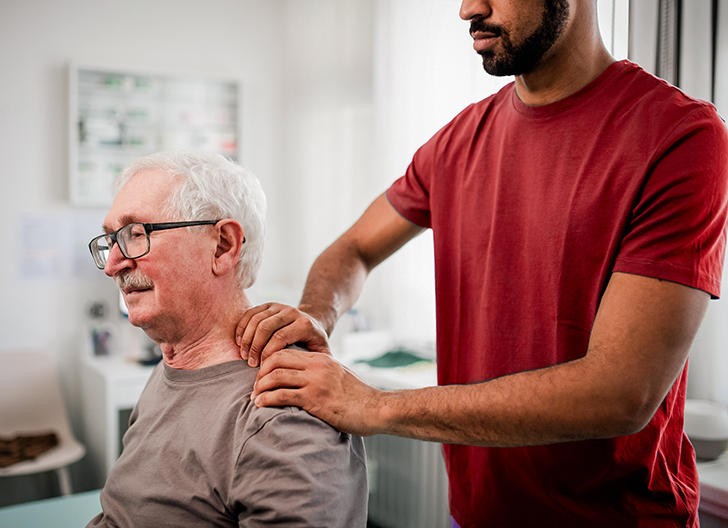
524 58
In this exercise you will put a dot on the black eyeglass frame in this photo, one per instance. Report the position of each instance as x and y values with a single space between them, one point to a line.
148 228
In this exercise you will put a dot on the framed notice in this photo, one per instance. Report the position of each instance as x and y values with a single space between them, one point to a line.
118 115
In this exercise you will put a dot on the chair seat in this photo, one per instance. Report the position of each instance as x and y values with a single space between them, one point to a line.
64 454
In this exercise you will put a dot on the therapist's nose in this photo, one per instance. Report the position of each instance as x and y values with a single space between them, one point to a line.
470 9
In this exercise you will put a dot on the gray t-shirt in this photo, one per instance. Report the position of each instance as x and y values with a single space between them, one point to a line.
198 452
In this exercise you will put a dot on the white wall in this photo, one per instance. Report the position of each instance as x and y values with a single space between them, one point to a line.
238 38
328 108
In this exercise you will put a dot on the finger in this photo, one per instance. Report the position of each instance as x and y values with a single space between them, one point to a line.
243 324
280 398
286 359
281 379
268 333
259 329
300 331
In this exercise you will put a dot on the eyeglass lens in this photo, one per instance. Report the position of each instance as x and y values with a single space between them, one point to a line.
132 240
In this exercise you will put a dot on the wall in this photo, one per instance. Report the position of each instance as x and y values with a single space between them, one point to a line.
238 38
328 107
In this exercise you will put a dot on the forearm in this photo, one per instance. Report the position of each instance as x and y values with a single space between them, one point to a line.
566 402
638 346
334 284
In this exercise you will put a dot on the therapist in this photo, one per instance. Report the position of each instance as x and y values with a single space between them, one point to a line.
579 228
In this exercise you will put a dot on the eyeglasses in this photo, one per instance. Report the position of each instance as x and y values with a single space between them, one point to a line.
133 239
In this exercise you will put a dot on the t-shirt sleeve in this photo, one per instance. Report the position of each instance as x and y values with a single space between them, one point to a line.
677 226
409 195
296 470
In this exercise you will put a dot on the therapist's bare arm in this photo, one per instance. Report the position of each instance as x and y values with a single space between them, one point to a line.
639 345
333 285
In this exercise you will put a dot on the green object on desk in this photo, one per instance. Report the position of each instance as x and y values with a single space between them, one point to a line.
72 511
394 359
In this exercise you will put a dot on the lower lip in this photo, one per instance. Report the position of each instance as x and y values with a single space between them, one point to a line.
134 293
483 43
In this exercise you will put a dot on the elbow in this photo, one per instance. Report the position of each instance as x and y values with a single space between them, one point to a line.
631 413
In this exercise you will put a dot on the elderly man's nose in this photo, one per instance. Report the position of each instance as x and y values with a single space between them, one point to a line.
470 9
116 261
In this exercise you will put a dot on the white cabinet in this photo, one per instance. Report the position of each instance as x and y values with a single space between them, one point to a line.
111 386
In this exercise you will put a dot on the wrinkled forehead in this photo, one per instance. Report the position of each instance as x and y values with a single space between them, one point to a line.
144 198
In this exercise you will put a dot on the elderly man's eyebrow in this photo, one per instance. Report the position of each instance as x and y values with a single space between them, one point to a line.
125 220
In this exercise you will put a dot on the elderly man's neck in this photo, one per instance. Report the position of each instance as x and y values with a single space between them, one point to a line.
209 341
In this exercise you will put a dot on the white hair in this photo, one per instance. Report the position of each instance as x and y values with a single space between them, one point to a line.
212 188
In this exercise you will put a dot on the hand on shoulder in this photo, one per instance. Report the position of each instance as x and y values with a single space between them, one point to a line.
270 327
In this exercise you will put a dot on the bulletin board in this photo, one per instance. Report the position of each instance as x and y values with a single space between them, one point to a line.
118 115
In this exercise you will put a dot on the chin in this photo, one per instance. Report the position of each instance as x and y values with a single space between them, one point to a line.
138 319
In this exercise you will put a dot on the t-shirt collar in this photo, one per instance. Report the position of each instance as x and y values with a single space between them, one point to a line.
572 100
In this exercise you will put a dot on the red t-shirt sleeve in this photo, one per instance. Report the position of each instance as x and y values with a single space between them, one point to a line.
677 228
410 198
410 194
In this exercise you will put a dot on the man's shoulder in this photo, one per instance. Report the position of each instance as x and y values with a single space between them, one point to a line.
474 112
257 418
642 89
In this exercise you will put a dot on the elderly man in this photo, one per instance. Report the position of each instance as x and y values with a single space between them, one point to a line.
183 240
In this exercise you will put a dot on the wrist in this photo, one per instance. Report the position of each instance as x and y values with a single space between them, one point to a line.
325 319
381 412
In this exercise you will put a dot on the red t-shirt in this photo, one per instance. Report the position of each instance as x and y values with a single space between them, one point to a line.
532 209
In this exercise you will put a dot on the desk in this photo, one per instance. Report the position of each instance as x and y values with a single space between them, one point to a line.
109 385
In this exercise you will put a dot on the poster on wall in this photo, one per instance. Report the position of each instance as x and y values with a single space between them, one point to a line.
117 116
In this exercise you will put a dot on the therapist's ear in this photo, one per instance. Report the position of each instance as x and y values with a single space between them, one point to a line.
230 238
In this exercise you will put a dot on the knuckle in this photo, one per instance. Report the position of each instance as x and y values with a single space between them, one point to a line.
269 325
274 377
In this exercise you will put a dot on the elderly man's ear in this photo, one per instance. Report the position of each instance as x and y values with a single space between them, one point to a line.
229 241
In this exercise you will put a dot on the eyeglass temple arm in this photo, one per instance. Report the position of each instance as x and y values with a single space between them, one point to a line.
173 225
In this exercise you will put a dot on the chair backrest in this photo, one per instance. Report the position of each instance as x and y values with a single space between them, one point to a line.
30 396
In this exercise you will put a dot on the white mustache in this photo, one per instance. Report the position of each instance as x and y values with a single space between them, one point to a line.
133 280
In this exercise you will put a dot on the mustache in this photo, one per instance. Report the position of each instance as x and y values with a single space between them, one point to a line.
134 280
479 24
